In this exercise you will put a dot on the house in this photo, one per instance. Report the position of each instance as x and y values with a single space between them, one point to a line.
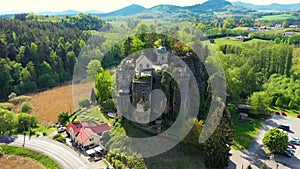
242 38
294 26
255 29
243 108
278 26
289 33
143 63
86 134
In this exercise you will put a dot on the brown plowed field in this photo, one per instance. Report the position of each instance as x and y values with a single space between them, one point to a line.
17 162
48 104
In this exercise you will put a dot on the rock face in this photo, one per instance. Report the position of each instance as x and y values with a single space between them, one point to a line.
141 94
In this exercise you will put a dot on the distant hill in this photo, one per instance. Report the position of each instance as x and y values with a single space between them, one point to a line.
69 12
61 13
127 11
167 8
210 5
270 7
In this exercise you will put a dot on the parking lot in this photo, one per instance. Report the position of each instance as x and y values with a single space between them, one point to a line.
256 156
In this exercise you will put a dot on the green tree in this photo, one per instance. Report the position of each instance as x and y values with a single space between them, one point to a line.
259 102
26 121
216 148
92 68
229 23
63 117
103 85
7 121
285 25
276 140
26 107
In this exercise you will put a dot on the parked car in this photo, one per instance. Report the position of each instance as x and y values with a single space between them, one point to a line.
296 138
61 129
283 113
295 142
284 127
298 115
292 145
292 151
277 113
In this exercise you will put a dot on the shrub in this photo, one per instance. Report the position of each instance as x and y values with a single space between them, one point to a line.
20 99
12 96
63 117
264 166
59 138
249 167
84 102
6 106
26 107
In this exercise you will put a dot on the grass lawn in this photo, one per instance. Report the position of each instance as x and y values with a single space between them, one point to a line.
231 40
97 113
244 132
241 28
46 161
44 128
277 17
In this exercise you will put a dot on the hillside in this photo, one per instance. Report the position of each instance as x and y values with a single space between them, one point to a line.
272 7
126 11
210 5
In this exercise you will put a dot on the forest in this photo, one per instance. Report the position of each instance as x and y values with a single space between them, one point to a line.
36 55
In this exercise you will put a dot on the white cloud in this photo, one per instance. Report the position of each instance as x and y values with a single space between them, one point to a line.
102 5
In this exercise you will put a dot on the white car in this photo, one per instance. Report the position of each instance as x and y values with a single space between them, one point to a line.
296 138
61 129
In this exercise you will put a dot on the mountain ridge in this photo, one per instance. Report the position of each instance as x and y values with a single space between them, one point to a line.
272 6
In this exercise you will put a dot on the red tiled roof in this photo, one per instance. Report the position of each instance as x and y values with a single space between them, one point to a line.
76 127
101 128
85 134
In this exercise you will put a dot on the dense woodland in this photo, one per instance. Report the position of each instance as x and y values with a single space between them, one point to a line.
38 55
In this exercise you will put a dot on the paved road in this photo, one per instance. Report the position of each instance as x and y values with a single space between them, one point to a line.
65 156
255 154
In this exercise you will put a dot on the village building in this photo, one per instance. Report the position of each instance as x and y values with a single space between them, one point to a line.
289 33
242 38
86 134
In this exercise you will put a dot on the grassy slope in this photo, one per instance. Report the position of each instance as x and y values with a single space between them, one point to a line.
46 161
181 156
277 17
244 132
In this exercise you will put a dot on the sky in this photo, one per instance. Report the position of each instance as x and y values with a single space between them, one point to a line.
103 5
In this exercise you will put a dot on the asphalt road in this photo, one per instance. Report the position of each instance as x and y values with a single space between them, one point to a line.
255 154
62 154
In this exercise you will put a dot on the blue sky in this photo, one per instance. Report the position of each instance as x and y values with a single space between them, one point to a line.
102 5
